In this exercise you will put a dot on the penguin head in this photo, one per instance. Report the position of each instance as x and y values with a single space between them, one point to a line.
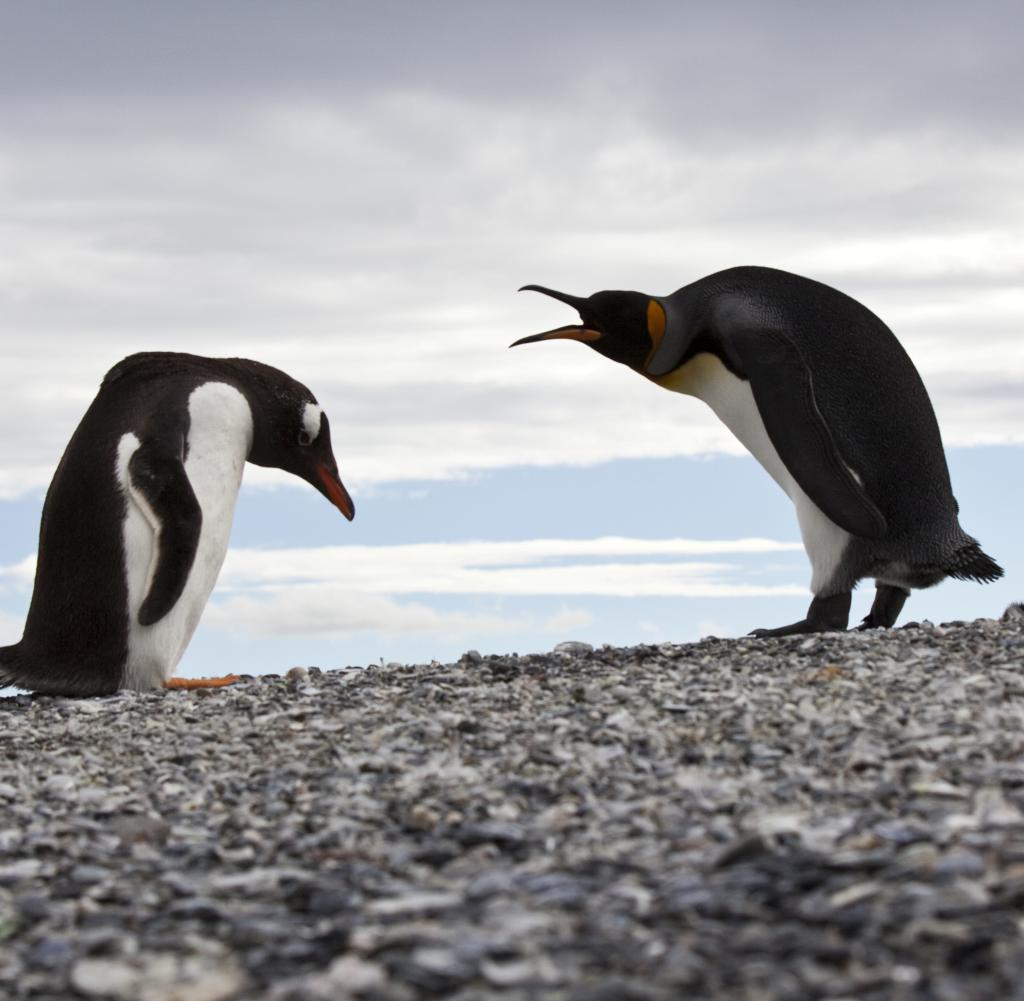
291 431
626 327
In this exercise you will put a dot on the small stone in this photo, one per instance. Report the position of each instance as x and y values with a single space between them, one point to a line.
353 975
297 675
51 953
34 907
960 863
438 968
741 850
23 869
992 809
520 972
330 900
506 835
60 785
943 790
106 978
139 829
197 908
90 875
854 894
573 648
422 817
413 903
472 657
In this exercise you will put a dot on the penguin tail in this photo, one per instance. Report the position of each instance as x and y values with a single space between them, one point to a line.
969 562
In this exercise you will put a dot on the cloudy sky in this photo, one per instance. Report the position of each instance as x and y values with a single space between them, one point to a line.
354 192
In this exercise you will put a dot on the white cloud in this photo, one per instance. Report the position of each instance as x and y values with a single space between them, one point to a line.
351 588
372 249
605 566
356 588
309 610
332 608
20 574
10 628
565 621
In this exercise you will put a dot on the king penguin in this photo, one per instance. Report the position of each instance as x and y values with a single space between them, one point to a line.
136 521
820 392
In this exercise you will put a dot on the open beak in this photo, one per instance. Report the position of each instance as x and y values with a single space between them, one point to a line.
570 332
335 491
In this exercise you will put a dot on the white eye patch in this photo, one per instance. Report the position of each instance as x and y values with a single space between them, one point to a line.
311 416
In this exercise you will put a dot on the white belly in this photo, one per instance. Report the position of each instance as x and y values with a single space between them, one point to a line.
219 437
732 400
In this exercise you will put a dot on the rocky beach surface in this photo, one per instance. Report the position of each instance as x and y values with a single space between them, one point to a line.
837 816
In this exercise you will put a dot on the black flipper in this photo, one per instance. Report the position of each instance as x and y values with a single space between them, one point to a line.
783 390
158 474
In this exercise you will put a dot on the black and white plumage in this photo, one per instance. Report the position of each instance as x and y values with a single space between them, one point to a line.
821 393
136 521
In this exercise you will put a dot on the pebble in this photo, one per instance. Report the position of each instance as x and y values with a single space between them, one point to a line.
835 816
147 830
572 648
106 978
352 975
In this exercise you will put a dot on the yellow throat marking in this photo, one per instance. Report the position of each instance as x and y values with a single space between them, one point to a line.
691 377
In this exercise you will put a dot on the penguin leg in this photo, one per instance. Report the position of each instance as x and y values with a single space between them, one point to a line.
187 684
824 615
886 607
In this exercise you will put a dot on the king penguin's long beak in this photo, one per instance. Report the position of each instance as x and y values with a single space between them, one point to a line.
571 332
335 491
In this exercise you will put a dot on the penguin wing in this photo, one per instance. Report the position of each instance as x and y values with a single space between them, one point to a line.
158 475
783 389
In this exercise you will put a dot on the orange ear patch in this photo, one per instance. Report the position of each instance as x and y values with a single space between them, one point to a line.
656 321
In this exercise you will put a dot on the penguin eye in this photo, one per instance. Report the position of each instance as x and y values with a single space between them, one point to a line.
305 438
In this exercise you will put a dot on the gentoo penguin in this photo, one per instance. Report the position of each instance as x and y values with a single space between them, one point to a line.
136 521
822 394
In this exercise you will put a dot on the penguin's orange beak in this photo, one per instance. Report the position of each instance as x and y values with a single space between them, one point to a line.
570 333
335 491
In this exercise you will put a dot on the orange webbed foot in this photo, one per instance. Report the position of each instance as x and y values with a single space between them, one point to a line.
187 684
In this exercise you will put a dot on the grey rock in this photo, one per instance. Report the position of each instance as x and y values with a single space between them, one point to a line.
506 835
51 953
138 829
106 978
573 648
90 875
960 863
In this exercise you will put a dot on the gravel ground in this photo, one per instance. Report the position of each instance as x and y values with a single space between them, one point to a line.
839 816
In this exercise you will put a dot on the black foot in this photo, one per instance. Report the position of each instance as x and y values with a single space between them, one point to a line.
824 615
886 607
